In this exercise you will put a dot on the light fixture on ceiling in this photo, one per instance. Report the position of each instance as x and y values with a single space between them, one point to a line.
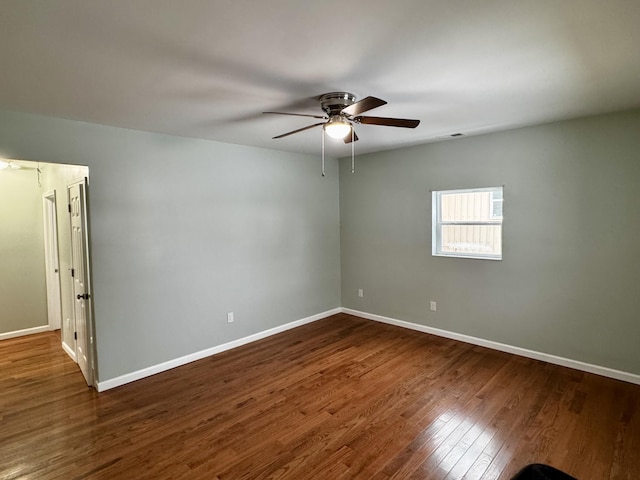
12 165
337 127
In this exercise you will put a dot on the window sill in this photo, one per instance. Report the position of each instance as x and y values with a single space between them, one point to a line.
474 257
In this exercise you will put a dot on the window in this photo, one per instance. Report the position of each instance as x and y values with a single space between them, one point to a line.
468 223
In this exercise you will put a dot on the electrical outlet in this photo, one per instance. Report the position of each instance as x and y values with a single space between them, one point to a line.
433 306
230 317
360 293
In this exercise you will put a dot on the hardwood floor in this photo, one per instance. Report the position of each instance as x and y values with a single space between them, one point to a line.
341 398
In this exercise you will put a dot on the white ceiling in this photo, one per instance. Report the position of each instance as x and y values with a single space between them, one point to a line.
208 68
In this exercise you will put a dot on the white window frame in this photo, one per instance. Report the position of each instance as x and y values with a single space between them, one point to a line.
437 223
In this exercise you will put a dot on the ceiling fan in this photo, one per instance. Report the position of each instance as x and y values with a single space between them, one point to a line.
342 112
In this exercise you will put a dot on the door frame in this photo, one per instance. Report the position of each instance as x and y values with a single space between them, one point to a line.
52 260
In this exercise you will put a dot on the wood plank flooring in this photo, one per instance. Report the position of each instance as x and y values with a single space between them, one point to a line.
341 398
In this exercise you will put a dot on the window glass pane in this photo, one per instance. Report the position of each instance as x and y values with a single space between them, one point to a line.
472 239
496 211
465 207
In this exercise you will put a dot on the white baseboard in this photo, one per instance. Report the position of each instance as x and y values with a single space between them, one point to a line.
26 331
161 367
69 352
523 352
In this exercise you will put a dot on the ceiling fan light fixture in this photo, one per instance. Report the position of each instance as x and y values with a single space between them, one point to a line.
337 127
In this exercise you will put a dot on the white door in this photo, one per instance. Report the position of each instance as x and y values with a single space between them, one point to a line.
51 259
80 272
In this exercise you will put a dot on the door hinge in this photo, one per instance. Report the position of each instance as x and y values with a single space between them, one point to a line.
75 335
69 205
73 272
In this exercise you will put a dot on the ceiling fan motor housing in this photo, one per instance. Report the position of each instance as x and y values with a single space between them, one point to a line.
333 103
342 112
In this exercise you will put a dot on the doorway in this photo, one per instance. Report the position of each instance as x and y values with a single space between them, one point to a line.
51 260
39 289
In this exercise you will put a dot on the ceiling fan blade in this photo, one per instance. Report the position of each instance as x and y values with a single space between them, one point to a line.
298 114
364 105
347 139
299 130
388 122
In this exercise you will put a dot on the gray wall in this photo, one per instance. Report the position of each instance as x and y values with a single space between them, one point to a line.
569 280
185 230
23 301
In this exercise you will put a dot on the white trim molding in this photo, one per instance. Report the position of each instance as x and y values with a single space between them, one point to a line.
523 352
22 333
177 362
69 352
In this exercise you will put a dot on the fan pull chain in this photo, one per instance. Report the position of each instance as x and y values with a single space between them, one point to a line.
323 152
353 162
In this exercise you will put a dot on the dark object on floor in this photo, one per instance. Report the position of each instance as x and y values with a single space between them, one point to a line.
537 471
